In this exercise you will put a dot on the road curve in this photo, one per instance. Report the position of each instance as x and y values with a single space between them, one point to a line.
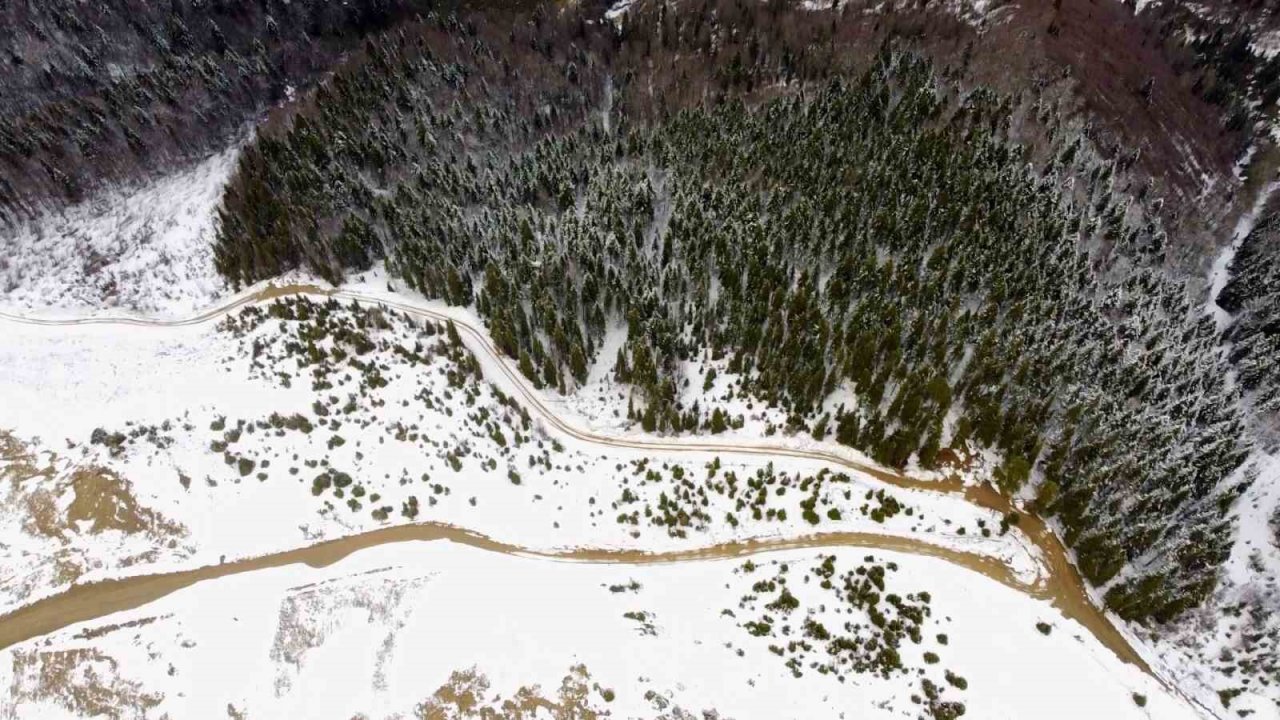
1059 583
88 601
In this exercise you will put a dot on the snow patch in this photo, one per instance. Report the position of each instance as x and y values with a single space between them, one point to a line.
146 249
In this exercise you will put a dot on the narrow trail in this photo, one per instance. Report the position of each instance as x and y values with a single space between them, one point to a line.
1059 581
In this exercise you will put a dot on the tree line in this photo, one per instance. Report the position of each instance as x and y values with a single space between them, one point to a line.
739 192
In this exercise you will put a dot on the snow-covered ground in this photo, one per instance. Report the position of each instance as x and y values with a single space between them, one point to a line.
600 404
1220 271
194 438
148 249
167 474
1227 653
382 633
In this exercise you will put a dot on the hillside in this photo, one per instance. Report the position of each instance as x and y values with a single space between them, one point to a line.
992 282
103 93
880 234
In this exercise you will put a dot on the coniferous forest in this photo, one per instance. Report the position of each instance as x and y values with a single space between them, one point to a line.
96 93
751 183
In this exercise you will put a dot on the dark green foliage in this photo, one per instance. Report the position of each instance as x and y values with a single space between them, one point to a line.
857 647
876 228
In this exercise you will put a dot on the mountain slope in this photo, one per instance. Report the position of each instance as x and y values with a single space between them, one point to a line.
985 241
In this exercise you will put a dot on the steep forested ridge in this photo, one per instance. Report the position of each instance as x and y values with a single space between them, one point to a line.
732 184
114 90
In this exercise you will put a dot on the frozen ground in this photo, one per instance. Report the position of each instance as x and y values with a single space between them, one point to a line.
381 633
237 424
180 409
146 249
600 404
1228 652
1226 655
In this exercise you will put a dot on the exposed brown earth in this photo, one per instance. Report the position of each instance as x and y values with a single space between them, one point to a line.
465 696
58 504
83 681
1058 581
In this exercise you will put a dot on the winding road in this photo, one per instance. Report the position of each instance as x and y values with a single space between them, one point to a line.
1059 582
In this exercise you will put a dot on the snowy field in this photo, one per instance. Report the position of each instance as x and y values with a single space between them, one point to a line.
147 249
381 633
195 439
153 396
126 448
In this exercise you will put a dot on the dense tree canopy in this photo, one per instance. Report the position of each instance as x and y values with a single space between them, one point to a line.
729 185
114 90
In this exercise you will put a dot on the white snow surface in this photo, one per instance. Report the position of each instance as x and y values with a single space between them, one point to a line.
146 249
510 614
63 383
377 633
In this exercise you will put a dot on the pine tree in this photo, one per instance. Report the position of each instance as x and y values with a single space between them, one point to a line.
717 424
